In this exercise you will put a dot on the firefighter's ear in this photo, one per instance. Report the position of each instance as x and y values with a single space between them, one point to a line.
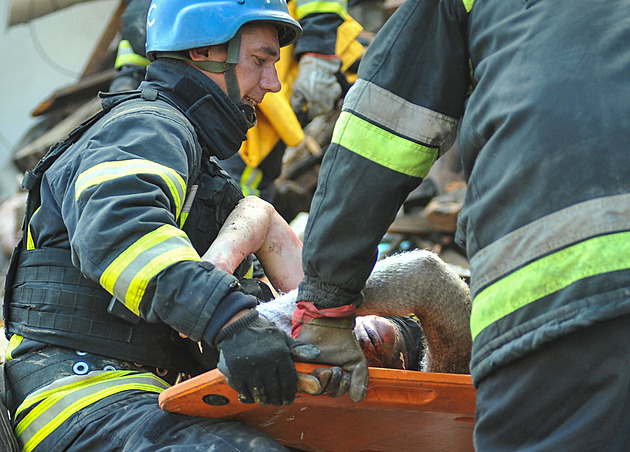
209 53
199 53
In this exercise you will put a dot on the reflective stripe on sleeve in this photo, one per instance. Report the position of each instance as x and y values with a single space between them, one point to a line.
382 147
305 7
108 171
128 275
402 117
14 342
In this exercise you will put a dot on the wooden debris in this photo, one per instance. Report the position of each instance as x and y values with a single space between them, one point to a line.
442 211
27 157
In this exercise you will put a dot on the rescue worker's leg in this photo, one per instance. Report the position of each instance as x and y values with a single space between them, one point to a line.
131 61
139 425
581 386
8 442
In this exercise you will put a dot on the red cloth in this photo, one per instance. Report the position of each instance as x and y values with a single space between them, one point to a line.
307 311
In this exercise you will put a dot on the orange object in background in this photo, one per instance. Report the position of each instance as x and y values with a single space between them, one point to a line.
402 411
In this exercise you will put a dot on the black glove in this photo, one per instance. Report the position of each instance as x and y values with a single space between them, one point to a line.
256 358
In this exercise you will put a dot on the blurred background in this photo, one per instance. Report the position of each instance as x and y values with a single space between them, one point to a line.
38 56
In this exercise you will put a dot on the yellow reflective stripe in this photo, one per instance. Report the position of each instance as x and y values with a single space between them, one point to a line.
468 4
128 275
570 225
69 384
182 219
108 171
391 112
250 180
250 273
188 205
75 401
140 282
602 254
382 147
304 8
14 341
126 56
30 243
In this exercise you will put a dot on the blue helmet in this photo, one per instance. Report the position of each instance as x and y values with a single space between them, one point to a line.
174 25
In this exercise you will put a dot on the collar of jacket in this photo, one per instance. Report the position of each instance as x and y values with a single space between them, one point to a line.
220 125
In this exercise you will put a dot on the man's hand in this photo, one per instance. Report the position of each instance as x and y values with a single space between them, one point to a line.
331 330
257 360
316 85
331 381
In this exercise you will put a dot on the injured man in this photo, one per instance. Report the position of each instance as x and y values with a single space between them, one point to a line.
416 310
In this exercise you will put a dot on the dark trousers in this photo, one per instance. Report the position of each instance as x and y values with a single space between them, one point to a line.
570 395
139 425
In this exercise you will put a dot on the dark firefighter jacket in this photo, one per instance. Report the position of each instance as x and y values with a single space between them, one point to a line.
116 199
544 142
113 206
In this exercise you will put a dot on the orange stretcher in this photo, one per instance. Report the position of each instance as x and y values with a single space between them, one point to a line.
402 411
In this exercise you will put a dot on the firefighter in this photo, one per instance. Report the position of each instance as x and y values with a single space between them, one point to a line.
315 72
108 281
538 92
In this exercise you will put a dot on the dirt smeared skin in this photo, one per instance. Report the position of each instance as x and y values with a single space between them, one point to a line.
254 227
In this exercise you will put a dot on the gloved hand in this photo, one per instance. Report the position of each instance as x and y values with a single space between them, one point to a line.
316 85
332 331
256 358
332 381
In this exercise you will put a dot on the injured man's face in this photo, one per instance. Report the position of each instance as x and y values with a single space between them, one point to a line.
382 342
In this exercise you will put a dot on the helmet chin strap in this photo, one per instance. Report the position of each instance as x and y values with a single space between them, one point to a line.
227 67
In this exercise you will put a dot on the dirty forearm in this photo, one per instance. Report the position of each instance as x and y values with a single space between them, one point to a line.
254 227
281 255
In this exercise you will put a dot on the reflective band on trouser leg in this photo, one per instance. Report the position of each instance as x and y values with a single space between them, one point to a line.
250 180
126 56
55 403
549 274
382 147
